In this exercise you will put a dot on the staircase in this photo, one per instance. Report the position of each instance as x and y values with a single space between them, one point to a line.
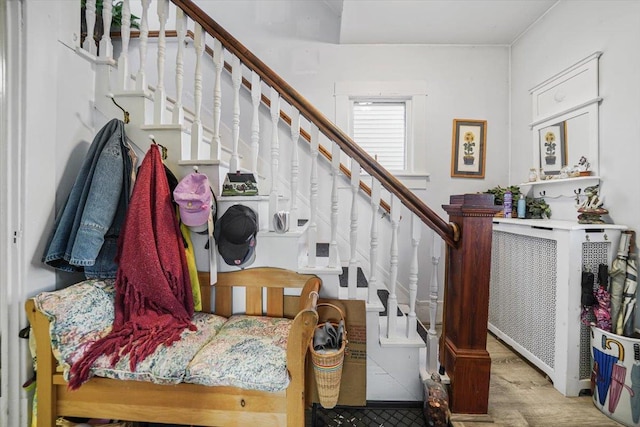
190 86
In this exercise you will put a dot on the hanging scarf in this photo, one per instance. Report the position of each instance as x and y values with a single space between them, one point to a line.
153 303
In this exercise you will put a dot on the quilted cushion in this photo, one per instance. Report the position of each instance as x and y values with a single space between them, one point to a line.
79 315
249 352
83 313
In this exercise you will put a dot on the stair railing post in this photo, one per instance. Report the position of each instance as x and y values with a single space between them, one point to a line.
123 59
141 79
313 197
199 37
392 302
412 322
256 94
275 153
106 48
432 339
353 235
465 355
334 258
160 98
295 168
181 31
89 43
236 80
373 254
218 63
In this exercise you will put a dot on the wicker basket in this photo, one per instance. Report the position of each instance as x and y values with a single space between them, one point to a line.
327 367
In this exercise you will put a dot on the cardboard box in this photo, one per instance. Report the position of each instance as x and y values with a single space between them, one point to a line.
353 384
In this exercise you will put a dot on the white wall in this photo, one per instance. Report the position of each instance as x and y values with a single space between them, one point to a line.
572 30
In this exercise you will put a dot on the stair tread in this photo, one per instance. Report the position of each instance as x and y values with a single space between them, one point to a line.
383 294
361 280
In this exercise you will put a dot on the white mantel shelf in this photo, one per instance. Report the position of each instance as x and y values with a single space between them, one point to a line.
554 224
579 179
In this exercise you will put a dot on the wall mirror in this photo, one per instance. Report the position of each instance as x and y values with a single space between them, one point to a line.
562 141
565 113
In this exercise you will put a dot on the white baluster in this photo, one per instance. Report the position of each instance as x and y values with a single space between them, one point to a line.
160 98
123 59
196 126
392 303
141 79
236 79
334 257
275 117
312 236
181 31
106 48
295 170
218 63
256 94
373 254
353 237
89 43
412 322
432 341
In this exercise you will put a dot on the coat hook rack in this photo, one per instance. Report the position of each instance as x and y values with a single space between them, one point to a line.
125 112
163 149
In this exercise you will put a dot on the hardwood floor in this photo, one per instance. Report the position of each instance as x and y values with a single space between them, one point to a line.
520 396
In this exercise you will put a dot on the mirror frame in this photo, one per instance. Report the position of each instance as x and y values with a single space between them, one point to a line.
568 94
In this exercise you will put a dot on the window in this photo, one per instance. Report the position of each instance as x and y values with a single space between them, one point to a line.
387 119
380 128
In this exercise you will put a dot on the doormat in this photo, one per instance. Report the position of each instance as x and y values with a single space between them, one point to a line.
374 414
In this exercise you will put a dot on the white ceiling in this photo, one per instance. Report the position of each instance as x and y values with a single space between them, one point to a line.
474 22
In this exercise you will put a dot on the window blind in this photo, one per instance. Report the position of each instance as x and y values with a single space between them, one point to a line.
380 129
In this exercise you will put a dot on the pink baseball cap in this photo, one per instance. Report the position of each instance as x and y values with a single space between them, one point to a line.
193 196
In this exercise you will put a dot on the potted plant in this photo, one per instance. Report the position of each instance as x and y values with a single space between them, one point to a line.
498 193
550 145
468 148
537 208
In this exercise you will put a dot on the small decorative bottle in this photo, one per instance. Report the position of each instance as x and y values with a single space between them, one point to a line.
533 175
522 206
508 204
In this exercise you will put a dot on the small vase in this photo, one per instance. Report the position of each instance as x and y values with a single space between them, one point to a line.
533 175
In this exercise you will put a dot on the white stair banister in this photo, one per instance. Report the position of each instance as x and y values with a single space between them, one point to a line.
141 79
256 95
123 59
275 153
106 48
392 303
335 170
218 62
196 127
236 79
160 98
295 169
181 31
432 341
412 322
353 235
373 253
89 43
313 197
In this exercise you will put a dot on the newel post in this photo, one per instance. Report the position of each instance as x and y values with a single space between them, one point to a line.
464 350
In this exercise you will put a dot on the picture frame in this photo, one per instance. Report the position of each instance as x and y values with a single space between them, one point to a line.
553 148
468 148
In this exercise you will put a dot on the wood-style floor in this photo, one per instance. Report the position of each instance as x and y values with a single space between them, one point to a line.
521 395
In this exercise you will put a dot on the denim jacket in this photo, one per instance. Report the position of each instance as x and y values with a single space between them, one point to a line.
85 234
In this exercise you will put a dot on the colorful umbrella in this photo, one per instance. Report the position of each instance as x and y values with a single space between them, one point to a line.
618 273
601 309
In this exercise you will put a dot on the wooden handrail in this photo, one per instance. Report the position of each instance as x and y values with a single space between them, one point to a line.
331 131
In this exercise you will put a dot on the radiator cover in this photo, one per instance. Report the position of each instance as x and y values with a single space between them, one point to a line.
534 303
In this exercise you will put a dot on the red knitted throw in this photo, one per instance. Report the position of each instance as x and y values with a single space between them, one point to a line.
153 303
